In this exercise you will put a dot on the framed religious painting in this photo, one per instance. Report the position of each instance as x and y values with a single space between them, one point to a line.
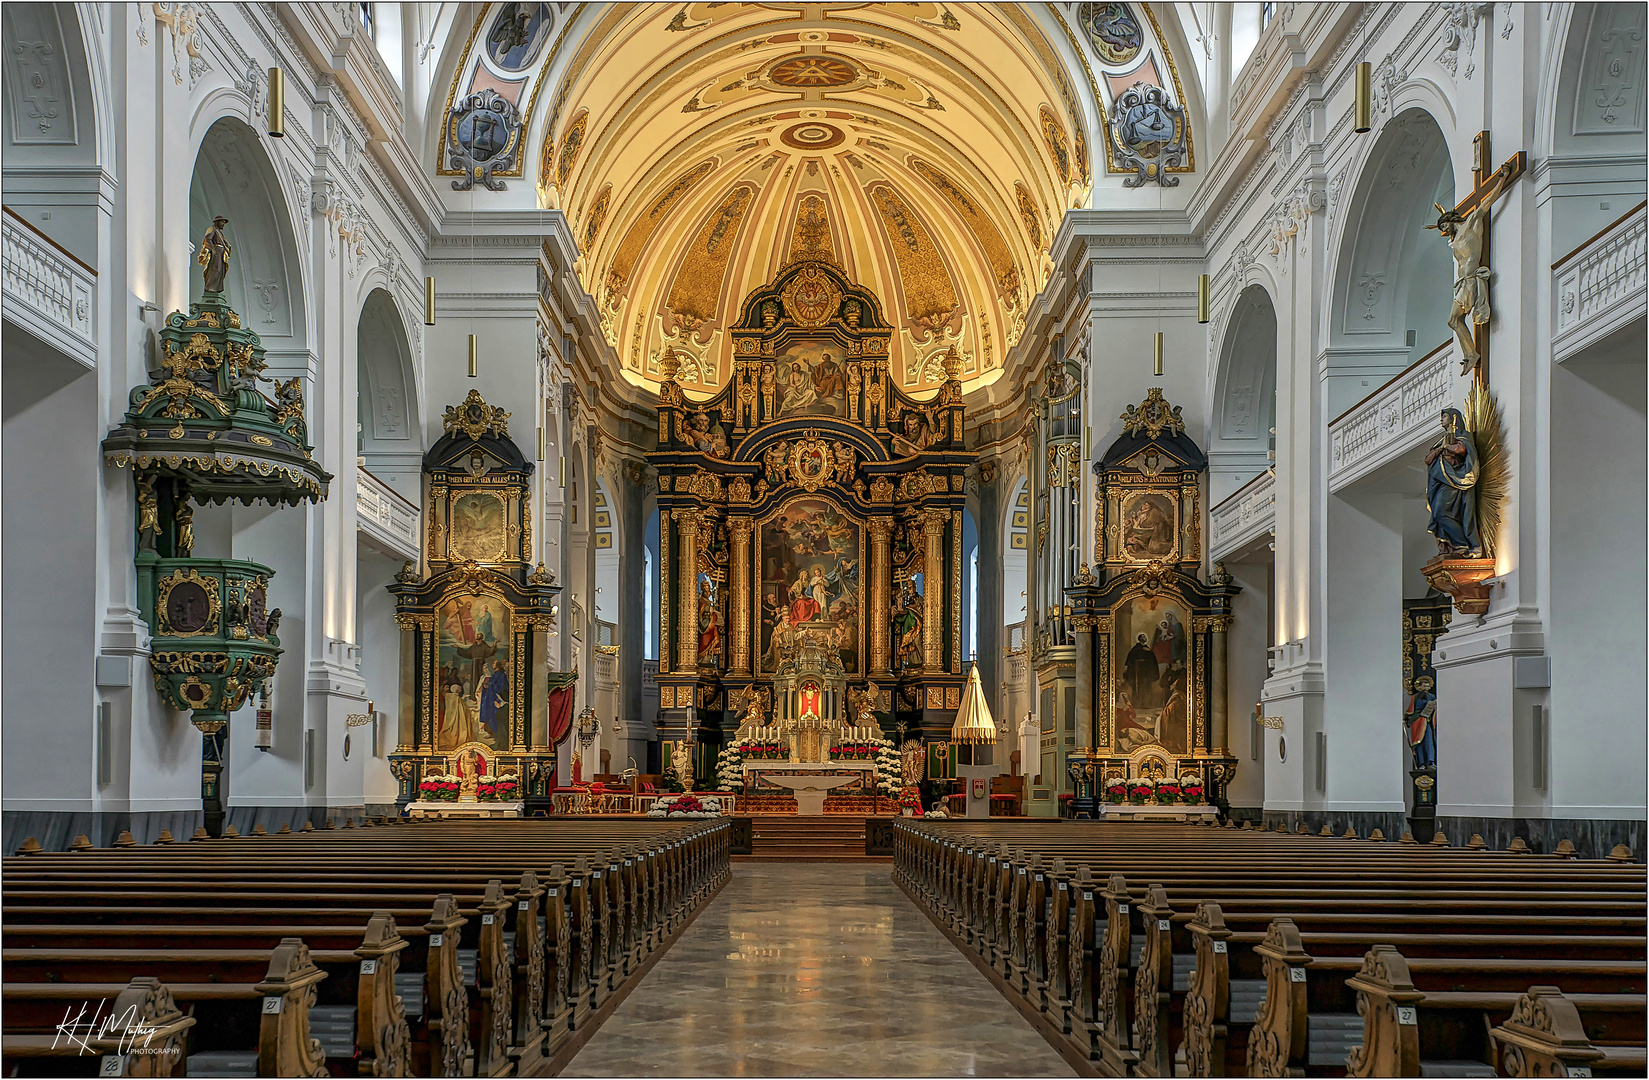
476 527
473 654
810 377
1151 675
1148 527
809 567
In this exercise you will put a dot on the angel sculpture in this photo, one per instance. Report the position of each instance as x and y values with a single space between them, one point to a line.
755 708
864 703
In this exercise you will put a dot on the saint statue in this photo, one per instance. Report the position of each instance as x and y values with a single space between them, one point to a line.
457 723
1465 234
214 255
1451 477
495 695
1421 720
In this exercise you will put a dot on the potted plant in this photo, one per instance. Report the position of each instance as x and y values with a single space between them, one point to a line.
910 802
1140 790
1191 790
1168 791
1116 790
439 788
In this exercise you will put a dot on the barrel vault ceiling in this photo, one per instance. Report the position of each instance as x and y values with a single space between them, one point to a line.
930 149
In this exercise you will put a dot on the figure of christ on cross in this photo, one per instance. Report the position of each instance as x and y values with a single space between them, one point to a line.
1466 229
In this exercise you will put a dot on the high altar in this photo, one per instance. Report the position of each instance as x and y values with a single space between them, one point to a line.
810 524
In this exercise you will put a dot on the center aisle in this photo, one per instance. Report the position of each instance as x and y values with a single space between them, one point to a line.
801 969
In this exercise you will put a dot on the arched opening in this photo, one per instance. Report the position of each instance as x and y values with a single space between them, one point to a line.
1241 439
388 429
1242 434
50 403
1395 279
1393 293
234 177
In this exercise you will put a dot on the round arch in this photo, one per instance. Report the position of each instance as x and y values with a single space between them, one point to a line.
234 177
390 433
1393 280
1244 402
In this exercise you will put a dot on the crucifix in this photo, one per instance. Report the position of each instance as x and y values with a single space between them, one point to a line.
1466 229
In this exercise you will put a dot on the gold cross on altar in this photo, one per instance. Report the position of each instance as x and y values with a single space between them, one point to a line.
1466 228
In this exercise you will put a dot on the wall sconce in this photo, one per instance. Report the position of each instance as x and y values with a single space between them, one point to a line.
589 726
1363 99
429 301
361 719
277 103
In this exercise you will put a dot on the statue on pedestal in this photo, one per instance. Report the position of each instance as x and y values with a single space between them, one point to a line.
1451 479
214 255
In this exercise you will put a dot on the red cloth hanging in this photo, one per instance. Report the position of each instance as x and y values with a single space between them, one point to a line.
561 713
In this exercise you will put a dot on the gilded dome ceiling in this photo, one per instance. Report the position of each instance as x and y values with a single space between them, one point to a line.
930 150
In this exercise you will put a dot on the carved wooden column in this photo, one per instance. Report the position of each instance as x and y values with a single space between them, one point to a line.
740 529
1218 711
933 575
881 604
687 619
407 735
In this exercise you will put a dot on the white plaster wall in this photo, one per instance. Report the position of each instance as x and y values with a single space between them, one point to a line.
1597 641
1246 671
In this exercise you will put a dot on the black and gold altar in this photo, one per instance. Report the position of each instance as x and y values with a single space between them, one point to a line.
1151 634
475 633
810 498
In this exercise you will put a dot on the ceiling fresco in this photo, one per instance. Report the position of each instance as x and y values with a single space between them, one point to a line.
697 148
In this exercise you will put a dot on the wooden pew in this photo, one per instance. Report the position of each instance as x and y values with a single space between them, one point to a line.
632 891
1059 938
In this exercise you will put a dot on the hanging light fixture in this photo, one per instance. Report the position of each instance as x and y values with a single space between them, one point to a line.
1202 298
1157 354
541 442
474 356
1363 100
561 473
429 301
277 103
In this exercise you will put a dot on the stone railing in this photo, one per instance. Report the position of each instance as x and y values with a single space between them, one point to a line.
386 516
1600 286
1242 516
1396 418
48 292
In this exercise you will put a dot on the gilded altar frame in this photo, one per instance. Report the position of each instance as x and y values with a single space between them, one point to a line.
810 412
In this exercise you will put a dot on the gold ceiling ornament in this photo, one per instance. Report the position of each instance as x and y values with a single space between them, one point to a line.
476 418
1153 416
811 298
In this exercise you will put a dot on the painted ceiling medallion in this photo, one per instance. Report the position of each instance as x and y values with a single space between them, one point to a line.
813 72
812 136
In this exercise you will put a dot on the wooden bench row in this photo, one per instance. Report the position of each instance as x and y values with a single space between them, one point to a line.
1109 931
444 949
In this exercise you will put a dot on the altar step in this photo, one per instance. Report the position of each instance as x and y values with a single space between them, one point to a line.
833 837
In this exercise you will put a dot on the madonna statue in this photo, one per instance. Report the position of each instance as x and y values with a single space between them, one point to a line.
1451 476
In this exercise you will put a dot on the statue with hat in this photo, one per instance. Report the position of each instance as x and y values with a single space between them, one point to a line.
214 255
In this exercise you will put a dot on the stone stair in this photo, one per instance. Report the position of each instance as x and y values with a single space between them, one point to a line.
839 837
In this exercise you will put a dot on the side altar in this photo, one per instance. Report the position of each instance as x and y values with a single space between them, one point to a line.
1150 627
809 506
476 688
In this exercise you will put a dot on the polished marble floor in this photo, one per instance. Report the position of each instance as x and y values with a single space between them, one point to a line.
810 969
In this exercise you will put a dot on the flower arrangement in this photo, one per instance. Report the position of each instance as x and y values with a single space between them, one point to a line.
498 788
438 787
760 750
1168 790
1116 790
910 801
1191 789
890 770
686 805
730 768
1141 789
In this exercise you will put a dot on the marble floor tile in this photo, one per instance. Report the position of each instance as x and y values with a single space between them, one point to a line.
806 969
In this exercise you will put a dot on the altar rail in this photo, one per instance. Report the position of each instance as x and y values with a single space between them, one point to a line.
1600 285
48 291
386 516
1396 418
1242 516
